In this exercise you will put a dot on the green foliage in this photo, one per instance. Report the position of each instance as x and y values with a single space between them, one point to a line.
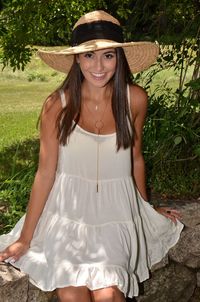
172 144
27 23
18 172
36 22
36 76
14 193
172 131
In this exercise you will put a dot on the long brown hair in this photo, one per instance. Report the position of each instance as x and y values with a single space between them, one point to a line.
120 106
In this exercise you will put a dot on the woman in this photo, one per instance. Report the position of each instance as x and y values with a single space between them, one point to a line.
89 231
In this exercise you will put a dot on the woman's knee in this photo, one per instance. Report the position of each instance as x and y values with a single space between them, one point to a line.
73 294
108 294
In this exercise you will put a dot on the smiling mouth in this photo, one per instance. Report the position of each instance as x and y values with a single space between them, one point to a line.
98 75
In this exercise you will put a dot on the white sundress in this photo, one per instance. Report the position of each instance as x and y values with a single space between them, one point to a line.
89 238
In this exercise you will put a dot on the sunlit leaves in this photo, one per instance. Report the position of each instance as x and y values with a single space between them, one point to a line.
26 23
36 22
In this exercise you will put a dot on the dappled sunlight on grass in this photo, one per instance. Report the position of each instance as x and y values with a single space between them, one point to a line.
18 165
22 94
18 156
167 77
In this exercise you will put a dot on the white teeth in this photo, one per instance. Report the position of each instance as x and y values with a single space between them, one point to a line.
98 75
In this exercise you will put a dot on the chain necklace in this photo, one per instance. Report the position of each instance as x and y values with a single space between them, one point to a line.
99 124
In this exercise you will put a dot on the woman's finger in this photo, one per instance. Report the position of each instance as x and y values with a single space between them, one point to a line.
170 213
5 255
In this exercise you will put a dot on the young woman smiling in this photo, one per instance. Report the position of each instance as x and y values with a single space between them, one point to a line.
89 231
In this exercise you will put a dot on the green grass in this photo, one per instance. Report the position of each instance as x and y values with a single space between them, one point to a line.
17 126
21 97
167 77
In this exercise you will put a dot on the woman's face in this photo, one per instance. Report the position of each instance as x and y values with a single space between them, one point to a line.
98 67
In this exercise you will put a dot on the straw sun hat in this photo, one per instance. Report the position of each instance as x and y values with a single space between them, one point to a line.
99 30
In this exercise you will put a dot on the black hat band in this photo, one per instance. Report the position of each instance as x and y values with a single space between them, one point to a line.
97 30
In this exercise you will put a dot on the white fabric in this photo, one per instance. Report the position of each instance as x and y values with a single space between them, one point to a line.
95 239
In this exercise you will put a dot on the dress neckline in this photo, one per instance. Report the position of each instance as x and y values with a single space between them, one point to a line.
92 133
77 126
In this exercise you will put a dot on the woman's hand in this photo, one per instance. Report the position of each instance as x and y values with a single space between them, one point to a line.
170 213
14 251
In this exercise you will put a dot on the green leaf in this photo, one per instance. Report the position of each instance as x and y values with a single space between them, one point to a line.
197 150
177 140
194 84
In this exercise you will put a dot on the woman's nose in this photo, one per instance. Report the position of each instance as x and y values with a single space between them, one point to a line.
99 64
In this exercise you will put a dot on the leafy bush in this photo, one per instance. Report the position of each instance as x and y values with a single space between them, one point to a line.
172 130
34 76
172 147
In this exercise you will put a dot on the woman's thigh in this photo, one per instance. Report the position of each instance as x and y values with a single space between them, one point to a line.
74 294
108 294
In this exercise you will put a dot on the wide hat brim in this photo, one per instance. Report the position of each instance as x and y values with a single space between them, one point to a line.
140 55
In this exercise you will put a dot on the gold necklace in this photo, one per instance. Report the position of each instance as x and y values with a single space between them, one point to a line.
99 124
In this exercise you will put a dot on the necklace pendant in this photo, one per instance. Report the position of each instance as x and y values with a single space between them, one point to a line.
96 107
99 125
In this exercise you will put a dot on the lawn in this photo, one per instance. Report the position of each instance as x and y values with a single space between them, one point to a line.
22 94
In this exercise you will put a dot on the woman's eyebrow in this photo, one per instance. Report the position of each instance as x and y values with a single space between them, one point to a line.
109 51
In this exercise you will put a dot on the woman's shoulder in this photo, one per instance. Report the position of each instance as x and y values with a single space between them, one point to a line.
137 92
55 101
52 106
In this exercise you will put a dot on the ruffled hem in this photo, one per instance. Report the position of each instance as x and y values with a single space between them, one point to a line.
94 277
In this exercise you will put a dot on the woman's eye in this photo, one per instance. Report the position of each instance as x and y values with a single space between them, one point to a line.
109 55
88 55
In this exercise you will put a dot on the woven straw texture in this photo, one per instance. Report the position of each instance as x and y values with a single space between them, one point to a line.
140 55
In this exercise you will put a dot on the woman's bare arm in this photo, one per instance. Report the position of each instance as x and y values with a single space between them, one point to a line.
139 109
44 178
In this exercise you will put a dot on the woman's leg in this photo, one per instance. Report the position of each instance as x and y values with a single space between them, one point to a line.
108 294
74 294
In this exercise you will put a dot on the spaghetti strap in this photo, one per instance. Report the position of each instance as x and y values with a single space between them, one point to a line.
128 94
62 98
129 101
